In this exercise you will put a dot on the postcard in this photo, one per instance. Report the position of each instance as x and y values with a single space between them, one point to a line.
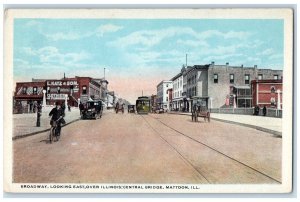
148 100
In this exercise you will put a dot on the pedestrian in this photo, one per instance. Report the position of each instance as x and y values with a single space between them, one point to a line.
264 110
31 107
34 107
256 110
81 107
63 107
69 107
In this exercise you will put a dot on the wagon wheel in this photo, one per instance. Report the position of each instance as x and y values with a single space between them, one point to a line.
208 116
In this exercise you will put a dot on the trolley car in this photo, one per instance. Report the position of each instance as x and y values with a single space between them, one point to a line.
143 105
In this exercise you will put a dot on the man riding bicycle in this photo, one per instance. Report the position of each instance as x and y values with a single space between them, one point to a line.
57 113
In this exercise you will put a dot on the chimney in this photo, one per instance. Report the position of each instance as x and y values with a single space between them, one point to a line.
212 63
242 65
227 63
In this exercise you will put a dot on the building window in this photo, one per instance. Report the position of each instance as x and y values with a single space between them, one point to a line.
24 90
34 90
231 78
247 78
84 90
167 85
260 77
167 99
215 78
276 77
273 89
48 89
58 89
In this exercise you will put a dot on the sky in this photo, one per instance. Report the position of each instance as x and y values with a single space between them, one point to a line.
138 53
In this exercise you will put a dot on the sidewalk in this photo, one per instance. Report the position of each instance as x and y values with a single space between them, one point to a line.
25 124
266 124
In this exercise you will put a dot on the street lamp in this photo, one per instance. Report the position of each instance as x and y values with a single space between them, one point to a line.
66 102
44 98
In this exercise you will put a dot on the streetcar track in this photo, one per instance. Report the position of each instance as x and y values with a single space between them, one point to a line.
185 159
210 147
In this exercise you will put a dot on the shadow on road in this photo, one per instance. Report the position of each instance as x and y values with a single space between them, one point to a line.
47 141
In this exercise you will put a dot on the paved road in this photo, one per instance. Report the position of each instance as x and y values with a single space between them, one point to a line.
155 148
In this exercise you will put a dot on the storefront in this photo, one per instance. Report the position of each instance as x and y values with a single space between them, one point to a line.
72 90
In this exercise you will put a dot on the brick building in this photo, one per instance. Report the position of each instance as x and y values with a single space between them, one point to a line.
222 85
75 90
27 95
153 103
267 93
229 85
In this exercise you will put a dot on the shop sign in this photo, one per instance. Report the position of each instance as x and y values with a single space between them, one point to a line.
57 97
61 83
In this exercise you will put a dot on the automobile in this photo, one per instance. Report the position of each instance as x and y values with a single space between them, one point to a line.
131 108
159 110
92 110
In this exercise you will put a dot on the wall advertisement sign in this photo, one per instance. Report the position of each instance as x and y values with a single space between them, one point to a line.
57 97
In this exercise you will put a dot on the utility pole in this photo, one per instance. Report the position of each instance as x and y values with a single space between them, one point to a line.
186 60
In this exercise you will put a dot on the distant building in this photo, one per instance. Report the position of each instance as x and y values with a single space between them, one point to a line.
162 94
231 85
153 100
170 99
219 85
267 93
78 89
177 92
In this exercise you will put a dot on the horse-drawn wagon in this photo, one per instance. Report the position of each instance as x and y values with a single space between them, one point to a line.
200 109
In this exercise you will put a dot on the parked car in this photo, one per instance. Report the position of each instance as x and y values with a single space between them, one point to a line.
92 110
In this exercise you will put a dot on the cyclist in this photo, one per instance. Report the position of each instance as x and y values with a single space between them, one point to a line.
57 113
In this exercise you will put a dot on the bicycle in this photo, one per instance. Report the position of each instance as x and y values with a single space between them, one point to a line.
54 133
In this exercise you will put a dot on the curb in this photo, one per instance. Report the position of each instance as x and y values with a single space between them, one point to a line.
273 132
41 131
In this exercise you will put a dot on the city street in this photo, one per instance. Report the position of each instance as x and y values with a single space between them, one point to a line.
154 148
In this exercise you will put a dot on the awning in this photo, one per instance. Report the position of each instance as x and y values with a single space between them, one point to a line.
242 87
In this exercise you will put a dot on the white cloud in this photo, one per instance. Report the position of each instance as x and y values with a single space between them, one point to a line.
193 43
150 37
275 56
28 51
153 37
253 60
71 35
107 28
268 51
236 35
51 54
33 23
64 36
